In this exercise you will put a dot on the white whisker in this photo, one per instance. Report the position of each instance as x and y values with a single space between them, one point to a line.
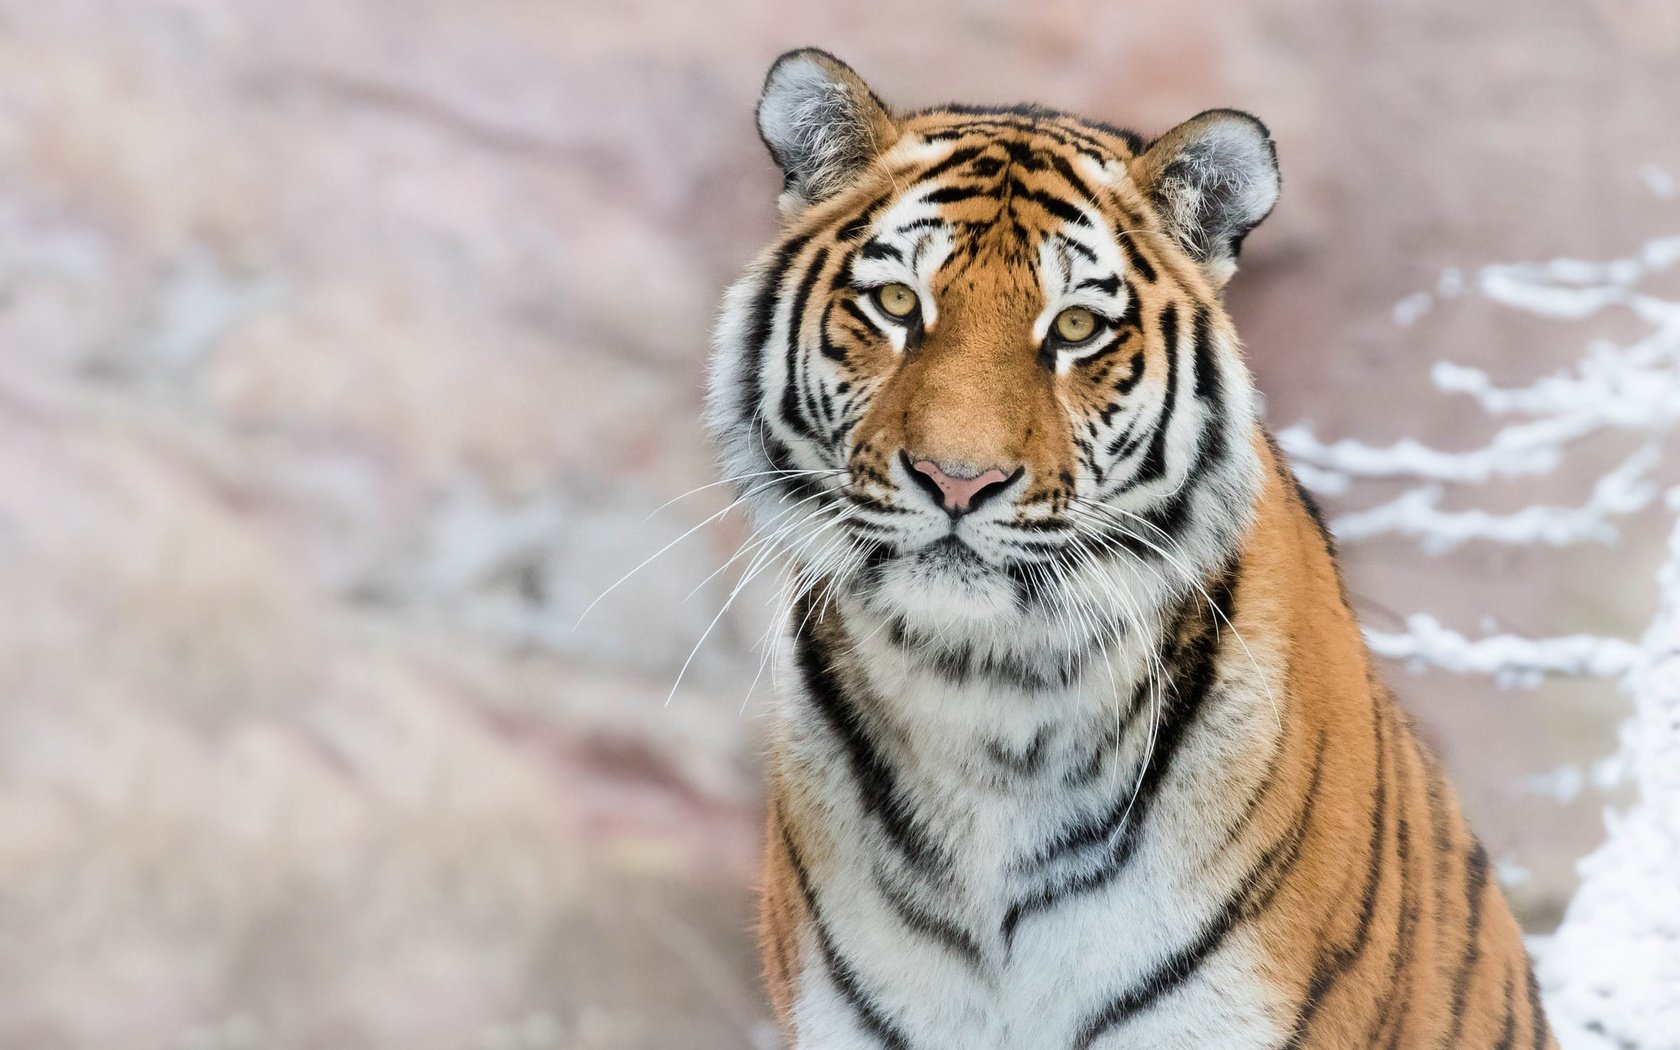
735 480
650 558
1213 607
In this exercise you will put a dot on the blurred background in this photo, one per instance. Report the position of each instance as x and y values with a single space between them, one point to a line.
346 349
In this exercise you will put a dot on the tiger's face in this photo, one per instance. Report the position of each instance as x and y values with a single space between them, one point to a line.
984 380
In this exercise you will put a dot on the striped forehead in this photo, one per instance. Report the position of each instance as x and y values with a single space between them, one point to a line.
1014 200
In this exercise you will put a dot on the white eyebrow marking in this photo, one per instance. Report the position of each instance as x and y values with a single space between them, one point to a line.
922 243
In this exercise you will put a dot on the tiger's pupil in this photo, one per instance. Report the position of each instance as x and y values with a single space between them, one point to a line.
1075 324
898 300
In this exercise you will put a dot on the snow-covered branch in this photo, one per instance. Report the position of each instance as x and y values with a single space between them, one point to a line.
1513 659
1417 513
1515 452
1634 388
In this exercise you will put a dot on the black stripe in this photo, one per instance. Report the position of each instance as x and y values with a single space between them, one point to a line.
1440 837
1084 773
781 458
830 350
1114 343
1077 184
1170 516
1508 1035
880 250
1022 155
1209 389
1034 123
1192 667
959 664
860 223
1025 763
1061 209
1137 262
825 400
1286 474
817 403
1331 965
1124 443
1396 1004
878 790
793 407
1207 370
1475 889
1109 285
956 194
926 222
956 158
1253 894
957 941
851 307
1536 1011
763 318
1263 787
1078 249
840 971
1134 309
1099 827
1154 464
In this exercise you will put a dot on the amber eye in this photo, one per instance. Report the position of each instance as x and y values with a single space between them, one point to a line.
1075 325
896 300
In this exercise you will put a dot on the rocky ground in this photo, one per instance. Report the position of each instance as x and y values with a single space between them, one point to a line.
348 349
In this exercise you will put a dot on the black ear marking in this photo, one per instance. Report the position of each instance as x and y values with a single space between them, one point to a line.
1212 179
821 123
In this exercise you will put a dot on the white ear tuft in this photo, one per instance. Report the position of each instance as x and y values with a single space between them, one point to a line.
821 123
1212 178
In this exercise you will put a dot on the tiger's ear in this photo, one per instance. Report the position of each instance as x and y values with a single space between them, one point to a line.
1212 179
822 125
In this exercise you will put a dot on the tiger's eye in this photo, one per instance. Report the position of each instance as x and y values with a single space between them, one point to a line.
1075 325
896 300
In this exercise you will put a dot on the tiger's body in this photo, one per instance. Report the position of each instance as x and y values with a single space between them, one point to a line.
1085 749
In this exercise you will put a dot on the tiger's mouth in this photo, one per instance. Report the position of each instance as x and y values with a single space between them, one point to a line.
959 549
949 565
944 586
950 551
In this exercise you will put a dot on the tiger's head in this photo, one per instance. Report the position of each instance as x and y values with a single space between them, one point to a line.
984 381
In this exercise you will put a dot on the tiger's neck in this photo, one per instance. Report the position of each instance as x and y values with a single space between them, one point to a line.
1206 848
990 785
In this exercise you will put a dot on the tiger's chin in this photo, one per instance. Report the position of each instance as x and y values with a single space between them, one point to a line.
945 588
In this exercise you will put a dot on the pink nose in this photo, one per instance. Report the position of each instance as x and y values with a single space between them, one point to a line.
958 495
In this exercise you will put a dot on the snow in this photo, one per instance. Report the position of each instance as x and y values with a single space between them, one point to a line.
1532 451
1659 182
1517 660
1612 971
1417 513
1408 310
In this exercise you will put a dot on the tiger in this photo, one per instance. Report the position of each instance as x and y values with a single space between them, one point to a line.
1081 746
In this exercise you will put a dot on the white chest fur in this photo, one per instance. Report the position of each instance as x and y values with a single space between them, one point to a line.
1002 873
